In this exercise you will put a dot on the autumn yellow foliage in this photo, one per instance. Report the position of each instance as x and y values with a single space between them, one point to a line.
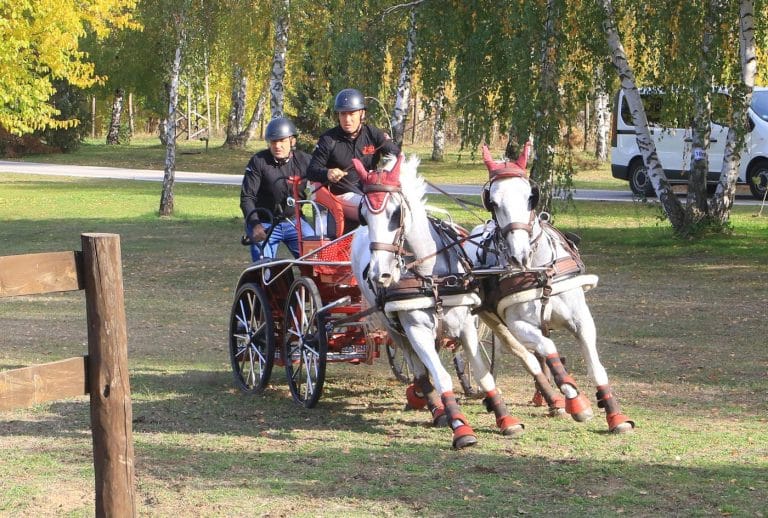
40 42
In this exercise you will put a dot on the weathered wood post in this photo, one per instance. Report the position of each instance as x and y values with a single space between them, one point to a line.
111 414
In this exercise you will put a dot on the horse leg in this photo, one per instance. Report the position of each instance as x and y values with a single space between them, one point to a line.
576 404
555 402
545 393
509 426
420 328
586 334
617 422
421 393
463 435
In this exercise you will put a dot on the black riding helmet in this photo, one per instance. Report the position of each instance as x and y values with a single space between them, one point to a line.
349 100
279 128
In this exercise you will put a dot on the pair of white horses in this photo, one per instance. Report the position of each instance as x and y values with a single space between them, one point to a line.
423 283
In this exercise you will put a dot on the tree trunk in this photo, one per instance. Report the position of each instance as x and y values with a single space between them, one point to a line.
113 135
726 189
402 101
131 121
697 181
602 116
669 201
256 117
547 126
166 199
237 109
277 78
438 135
93 116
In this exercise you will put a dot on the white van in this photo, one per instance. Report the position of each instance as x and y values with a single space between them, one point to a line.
673 144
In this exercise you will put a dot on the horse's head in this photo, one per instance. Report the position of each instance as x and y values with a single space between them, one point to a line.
511 197
382 210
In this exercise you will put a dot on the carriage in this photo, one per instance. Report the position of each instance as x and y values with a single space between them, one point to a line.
302 313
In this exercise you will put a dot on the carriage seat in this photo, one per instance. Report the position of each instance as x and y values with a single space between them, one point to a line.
330 223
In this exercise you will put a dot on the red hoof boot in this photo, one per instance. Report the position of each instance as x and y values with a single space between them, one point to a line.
510 426
619 423
537 399
414 400
579 408
463 437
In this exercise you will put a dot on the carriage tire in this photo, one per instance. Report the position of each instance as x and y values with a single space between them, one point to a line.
757 178
251 339
305 342
398 365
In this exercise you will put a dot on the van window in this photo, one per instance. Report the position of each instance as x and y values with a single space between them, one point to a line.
656 111
760 104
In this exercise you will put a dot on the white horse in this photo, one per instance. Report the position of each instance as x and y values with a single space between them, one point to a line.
425 298
545 286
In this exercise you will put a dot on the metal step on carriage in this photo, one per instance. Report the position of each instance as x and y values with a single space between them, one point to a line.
302 313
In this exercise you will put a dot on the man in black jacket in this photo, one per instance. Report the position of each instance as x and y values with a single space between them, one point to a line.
352 138
266 186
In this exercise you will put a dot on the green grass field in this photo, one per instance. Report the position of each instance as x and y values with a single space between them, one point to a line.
681 332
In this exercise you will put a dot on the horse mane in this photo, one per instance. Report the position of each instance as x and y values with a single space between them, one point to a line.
413 185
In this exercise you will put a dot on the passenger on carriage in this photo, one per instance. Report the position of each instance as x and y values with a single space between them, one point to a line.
352 138
266 186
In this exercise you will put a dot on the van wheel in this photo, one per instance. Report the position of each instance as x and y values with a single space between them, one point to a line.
639 181
758 179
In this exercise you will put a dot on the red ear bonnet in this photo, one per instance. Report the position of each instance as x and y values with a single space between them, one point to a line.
516 168
378 184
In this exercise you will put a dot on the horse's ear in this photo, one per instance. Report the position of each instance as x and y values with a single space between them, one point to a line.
360 169
522 160
490 163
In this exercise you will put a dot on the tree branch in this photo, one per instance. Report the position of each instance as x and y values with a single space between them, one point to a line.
390 10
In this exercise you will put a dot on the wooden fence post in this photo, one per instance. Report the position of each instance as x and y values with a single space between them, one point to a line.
111 413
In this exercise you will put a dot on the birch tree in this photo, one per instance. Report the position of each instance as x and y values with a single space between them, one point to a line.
277 76
403 92
169 172
645 143
113 133
726 188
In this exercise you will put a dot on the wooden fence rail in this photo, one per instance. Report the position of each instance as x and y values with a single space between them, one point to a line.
102 374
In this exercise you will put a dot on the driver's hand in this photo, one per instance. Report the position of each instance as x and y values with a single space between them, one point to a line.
336 174
258 233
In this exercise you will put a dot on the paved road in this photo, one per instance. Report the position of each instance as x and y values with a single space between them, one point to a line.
7 166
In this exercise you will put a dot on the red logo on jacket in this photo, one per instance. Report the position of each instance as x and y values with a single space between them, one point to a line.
369 149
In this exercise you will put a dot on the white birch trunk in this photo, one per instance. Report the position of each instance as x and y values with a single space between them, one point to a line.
277 77
438 134
93 116
256 117
602 117
669 201
237 109
726 188
402 100
113 135
131 119
166 198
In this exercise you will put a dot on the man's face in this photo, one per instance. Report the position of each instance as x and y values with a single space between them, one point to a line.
350 121
281 149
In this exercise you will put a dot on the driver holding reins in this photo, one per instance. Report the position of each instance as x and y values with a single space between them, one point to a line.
332 158
266 186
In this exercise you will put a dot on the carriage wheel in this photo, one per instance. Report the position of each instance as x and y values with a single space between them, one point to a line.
305 345
398 364
251 339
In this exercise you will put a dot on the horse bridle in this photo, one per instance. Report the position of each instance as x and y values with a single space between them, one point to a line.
501 233
397 246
